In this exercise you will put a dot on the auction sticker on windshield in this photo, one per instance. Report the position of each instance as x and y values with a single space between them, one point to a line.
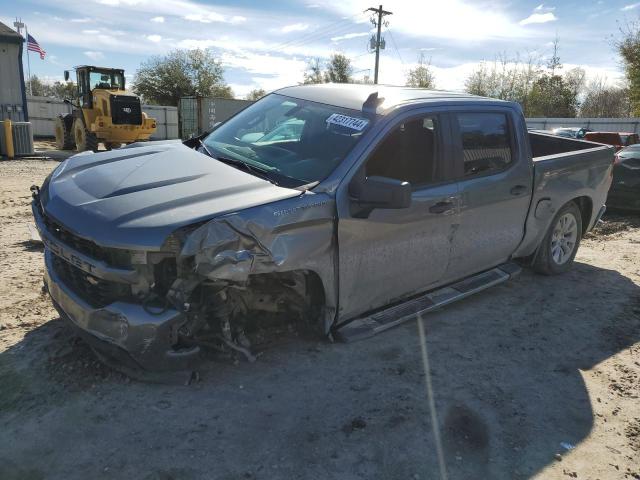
348 122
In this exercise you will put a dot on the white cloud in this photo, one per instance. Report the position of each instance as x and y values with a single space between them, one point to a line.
211 17
630 7
348 36
542 8
90 32
458 20
539 18
154 38
94 55
295 27
81 20
158 19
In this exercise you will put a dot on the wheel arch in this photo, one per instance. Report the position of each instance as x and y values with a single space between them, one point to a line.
585 205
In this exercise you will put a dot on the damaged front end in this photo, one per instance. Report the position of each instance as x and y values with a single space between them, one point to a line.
212 286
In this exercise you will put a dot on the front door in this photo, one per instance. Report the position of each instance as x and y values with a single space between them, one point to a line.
391 254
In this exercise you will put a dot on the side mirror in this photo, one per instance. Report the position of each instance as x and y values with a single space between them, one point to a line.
380 192
66 75
67 101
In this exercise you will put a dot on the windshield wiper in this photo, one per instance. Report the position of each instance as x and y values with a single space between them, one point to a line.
204 147
247 167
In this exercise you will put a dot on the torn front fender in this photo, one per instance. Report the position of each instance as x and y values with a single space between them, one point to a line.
295 234
228 248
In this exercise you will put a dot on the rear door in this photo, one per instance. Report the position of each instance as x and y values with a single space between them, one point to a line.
495 185
390 254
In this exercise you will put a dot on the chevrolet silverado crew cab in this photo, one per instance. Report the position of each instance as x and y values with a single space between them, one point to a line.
353 207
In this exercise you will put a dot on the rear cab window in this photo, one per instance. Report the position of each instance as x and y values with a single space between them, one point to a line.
486 142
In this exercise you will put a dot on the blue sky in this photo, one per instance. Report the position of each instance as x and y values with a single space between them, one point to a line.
267 44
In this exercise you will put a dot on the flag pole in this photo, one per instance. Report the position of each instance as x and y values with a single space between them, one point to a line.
26 31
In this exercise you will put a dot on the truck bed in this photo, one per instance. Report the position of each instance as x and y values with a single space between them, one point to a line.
544 145
565 169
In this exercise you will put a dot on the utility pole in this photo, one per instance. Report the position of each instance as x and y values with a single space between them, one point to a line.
381 13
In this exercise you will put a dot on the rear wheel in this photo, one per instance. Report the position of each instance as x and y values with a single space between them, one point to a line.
85 140
64 134
560 244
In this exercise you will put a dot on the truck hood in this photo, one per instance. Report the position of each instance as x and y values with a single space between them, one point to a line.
135 197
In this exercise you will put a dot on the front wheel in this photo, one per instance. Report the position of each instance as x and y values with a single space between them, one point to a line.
85 140
64 134
559 246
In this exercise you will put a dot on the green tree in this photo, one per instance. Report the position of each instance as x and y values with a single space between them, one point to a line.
602 101
58 89
551 96
37 87
421 76
63 90
313 73
256 94
506 78
541 92
628 46
181 73
339 69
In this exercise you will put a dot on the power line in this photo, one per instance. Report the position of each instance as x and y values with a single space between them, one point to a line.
320 32
316 34
393 41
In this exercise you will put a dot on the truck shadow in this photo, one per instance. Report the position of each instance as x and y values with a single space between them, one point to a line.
506 368
510 384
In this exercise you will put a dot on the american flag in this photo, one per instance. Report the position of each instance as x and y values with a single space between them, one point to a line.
34 47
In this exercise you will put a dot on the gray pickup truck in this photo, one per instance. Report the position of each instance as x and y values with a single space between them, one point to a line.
353 207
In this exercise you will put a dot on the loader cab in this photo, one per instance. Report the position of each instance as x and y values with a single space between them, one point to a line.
90 78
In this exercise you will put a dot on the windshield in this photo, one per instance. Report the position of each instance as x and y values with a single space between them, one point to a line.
296 141
106 80
630 139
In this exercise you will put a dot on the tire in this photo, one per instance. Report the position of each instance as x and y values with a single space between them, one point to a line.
85 140
111 146
64 134
560 244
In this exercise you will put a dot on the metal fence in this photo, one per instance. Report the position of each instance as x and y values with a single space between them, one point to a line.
44 110
597 124
200 114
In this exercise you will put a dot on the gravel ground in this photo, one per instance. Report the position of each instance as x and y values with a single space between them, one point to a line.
538 377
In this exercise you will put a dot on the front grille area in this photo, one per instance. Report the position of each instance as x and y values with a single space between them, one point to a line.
126 110
112 256
93 290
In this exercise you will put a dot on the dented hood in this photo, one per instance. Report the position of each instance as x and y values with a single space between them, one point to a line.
135 197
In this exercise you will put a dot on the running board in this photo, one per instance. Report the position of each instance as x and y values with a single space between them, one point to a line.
366 327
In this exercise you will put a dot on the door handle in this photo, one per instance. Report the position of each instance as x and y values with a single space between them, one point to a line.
441 207
519 190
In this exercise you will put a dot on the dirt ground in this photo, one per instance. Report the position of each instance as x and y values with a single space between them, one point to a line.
538 377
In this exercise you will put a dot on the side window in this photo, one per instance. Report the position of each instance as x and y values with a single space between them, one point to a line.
409 153
486 142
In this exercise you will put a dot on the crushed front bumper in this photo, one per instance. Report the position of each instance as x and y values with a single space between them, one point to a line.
123 332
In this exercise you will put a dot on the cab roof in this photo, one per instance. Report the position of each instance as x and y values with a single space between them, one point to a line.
93 68
382 98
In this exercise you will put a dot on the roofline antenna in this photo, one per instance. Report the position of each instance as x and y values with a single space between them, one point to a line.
372 102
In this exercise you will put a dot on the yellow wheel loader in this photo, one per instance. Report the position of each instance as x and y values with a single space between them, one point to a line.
103 111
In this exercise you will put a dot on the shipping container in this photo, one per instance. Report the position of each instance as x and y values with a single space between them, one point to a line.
200 114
